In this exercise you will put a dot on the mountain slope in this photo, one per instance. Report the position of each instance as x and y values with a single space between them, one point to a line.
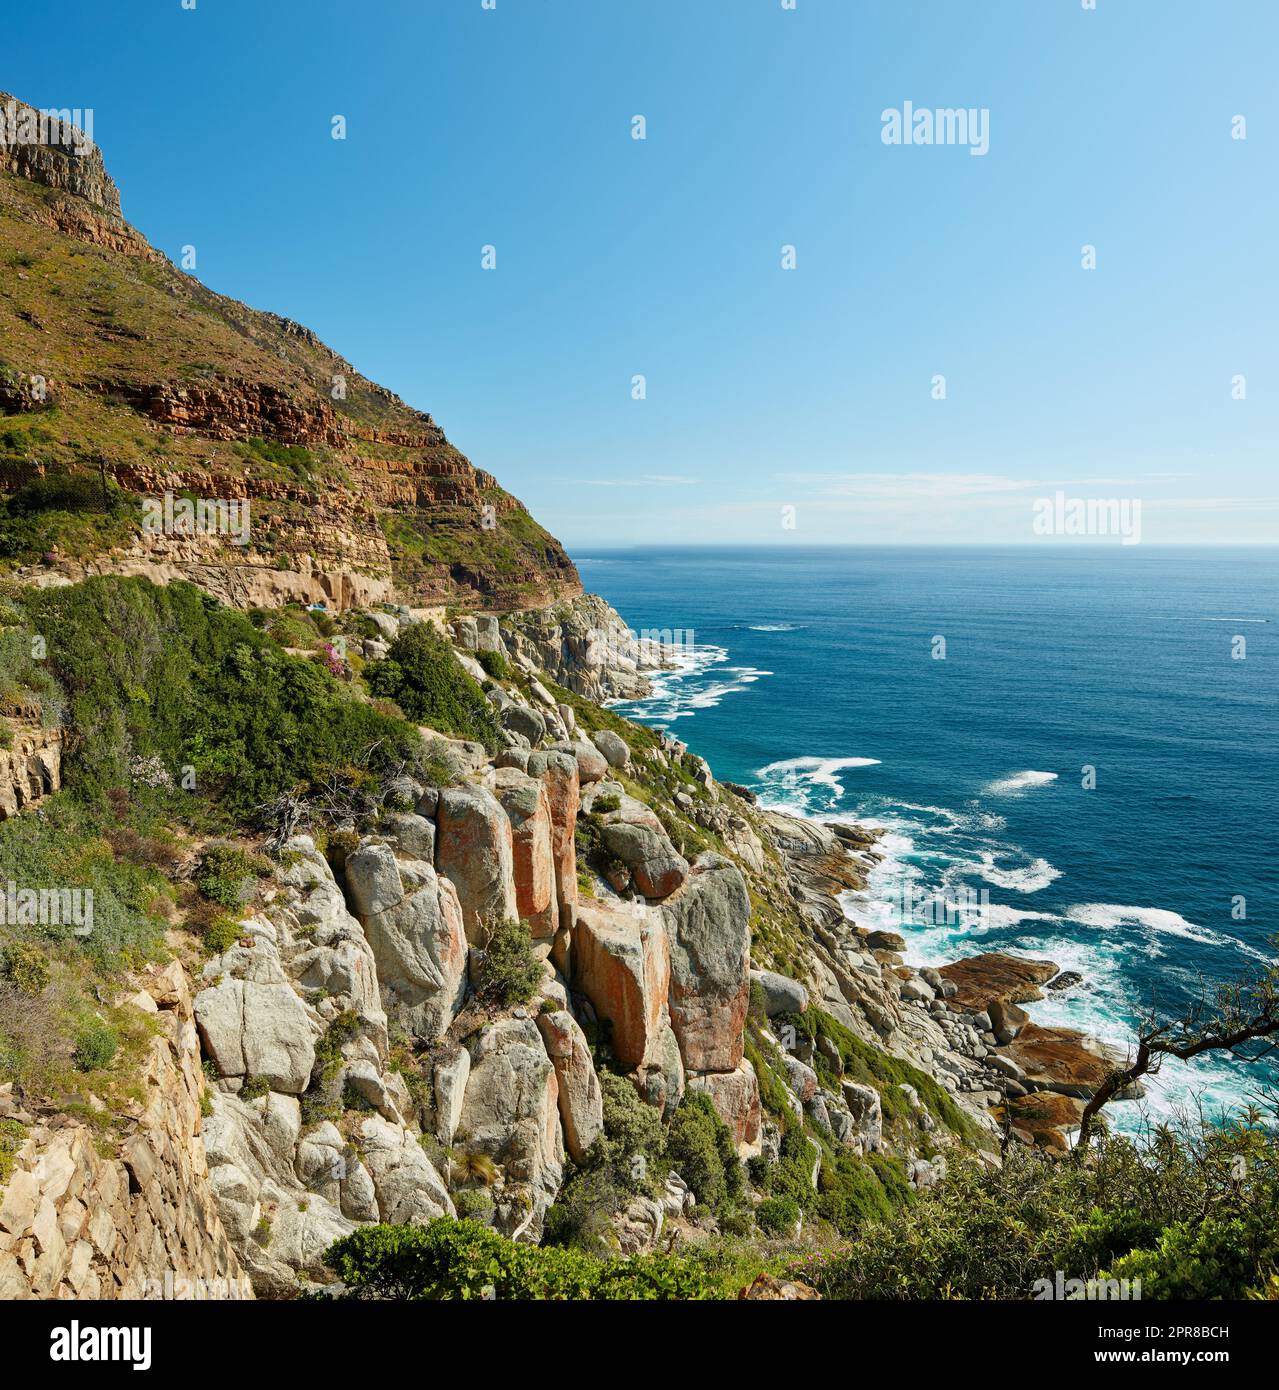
115 362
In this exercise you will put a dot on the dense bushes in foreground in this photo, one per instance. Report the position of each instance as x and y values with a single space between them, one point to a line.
168 673
463 1259
423 677
1194 1214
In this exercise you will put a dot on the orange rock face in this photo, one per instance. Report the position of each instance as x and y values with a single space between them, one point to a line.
563 791
1045 1117
994 977
527 807
474 850
1060 1059
623 966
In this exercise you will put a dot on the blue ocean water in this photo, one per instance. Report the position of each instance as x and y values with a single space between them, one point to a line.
814 681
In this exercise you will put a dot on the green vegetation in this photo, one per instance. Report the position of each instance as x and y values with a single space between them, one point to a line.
12 1136
226 875
634 1156
1194 1213
106 850
453 536
776 1216
509 973
95 1046
868 1065
26 967
168 673
323 1100
700 1147
628 1159
291 457
423 677
495 664
466 1260
73 512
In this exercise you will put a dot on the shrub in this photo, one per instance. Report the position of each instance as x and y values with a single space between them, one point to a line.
226 875
633 1144
169 673
1192 1213
423 677
473 1202
776 1216
495 664
95 1046
466 1260
12 1136
627 1159
509 973
700 1147
70 844
26 967
221 934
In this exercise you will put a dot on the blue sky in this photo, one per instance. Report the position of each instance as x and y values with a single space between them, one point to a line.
766 388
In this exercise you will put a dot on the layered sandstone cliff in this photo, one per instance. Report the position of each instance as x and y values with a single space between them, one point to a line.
119 368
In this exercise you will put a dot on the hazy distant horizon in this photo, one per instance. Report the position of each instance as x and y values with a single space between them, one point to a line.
762 303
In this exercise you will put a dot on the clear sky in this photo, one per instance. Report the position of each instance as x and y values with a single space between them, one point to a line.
810 388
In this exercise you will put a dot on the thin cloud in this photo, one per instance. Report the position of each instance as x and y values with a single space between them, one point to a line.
645 480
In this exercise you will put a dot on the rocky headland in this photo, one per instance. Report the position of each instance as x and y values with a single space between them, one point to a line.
496 980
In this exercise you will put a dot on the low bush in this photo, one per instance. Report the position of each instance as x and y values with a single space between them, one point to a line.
95 1046
466 1260
776 1216
700 1147
1192 1212
423 677
509 973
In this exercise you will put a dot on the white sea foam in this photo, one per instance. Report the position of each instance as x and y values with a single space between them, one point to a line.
775 627
943 820
1019 782
1029 878
999 917
1157 921
796 773
1103 1005
680 693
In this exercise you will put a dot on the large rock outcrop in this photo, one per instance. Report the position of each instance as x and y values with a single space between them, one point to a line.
623 965
413 921
528 809
559 774
252 1022
708 922
30 767
139 1221
474 849
511 1112
580 1099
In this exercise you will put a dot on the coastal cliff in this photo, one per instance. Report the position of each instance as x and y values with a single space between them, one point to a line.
385 918
123 378
420 1002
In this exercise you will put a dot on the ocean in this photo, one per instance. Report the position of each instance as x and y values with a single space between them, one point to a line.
1088 737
